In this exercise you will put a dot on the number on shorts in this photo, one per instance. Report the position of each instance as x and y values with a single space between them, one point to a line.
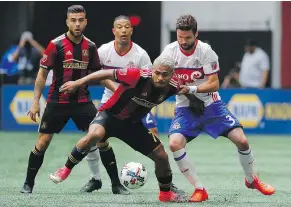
229 118
148 120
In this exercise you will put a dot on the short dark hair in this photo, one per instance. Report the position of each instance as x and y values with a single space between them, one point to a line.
121 17
76 9
186 22
251 42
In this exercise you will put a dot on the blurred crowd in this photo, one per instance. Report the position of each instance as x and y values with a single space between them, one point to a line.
20 63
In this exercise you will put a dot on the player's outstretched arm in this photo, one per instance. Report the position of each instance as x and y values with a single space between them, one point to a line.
38 88
71 86
211 85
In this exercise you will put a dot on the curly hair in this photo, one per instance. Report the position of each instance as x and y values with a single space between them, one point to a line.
186 22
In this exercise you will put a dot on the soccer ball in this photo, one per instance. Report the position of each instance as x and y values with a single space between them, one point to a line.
133 175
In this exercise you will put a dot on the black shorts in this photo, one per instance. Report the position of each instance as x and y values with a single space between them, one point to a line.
56 116
136 135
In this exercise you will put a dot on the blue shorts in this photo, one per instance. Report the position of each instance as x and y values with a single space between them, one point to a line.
148 121
216 121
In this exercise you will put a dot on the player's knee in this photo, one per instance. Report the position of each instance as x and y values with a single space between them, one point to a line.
176 143
43 141
160 156
243 144
95 133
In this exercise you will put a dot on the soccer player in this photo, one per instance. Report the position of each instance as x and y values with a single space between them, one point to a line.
197 66
71 56
119 53
139 91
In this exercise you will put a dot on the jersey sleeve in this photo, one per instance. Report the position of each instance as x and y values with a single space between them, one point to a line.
211 64
145 61
176 83
129 76
48 59
94 62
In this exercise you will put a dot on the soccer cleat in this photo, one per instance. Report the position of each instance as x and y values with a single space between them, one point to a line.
60 175
199 195
26 188
177 190
265 189
119 189
91 185
170 196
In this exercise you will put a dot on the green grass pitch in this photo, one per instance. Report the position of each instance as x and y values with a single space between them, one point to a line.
216 161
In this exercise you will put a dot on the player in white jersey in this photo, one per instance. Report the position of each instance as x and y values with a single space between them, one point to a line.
197 65
119 53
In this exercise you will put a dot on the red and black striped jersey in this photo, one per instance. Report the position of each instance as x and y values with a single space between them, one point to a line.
69 62
137 94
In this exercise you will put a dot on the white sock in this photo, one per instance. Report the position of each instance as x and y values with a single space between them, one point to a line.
93 159
247 162
187 168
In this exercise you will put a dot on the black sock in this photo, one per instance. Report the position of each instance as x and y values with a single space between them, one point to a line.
165 183
75 157
108 159
34 163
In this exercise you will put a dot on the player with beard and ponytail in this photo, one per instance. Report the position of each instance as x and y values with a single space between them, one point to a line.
71 56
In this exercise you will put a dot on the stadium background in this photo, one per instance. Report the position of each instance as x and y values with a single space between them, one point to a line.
265 113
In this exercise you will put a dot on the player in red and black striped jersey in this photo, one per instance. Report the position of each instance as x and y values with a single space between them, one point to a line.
139 91
71 56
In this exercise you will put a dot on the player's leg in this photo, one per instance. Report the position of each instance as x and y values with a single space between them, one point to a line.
184 128
150 123
141 140
220 121
110 164
53 120
246 158
97 131
82 118
93 160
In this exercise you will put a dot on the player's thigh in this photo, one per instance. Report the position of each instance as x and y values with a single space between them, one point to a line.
218 120
185 123
149 121
105 120
83 114
54 118
139 138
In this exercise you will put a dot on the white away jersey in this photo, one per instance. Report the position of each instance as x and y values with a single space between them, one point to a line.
192 69
136 57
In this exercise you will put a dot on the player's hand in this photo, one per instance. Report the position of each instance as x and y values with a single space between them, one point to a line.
33 111
69 87
183 90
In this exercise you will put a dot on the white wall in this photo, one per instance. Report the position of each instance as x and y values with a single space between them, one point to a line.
233 16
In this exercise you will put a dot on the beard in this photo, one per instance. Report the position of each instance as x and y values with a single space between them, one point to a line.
187 46
74 35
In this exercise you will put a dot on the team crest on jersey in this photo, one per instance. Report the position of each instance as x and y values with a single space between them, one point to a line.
44 58
85 53
196 63
130 64
176 125
213 65
122 71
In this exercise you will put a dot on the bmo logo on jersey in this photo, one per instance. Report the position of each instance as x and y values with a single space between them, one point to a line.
189 74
